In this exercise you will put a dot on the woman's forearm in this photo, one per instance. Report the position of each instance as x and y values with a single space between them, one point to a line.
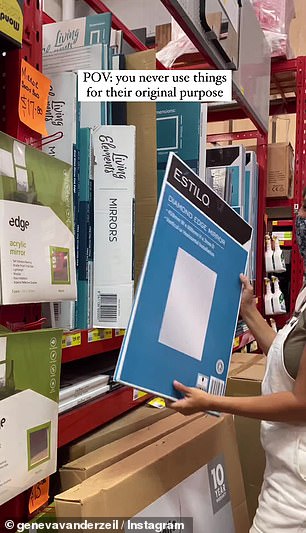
262 332
277 407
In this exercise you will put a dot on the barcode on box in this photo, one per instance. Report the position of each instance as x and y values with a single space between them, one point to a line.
57 310
216 386
107 307
68 341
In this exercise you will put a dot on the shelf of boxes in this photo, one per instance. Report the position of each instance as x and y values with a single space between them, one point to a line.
288 90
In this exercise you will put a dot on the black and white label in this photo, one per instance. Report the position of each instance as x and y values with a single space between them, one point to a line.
219 490
186 182
107 307
216 386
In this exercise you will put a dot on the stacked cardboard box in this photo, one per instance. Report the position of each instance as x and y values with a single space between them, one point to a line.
137 419
192 472
280 170
86 466
245 378
143 116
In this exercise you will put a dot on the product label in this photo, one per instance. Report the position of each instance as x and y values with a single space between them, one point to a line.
33 98
70 340
39 495
95 335
203 496
114 195
11 19
219 490
119 332
159 403
32 268
137 394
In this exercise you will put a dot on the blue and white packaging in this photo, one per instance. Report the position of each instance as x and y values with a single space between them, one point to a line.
185 313
70 34
181 129
64 47
231 160
114 199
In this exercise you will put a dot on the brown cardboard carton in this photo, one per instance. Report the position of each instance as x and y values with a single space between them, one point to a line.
162 36
86 466
194 471
280 171
245 377
143 116
133 421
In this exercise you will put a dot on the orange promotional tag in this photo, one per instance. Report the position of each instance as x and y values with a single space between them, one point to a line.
39 495
33 98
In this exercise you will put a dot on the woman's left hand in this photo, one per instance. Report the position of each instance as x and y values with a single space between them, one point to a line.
194 401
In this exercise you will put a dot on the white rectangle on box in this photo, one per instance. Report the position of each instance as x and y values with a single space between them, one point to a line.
6 164
192 287
114 197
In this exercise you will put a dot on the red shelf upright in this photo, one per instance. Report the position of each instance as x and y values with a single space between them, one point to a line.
10 68
10 65
298 67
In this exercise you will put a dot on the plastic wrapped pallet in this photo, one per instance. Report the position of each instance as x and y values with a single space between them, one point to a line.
275 15
279 44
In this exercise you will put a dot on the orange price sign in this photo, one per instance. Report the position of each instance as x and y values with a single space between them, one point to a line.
33 98
39 495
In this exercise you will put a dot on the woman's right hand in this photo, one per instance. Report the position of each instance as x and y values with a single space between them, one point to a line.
248 300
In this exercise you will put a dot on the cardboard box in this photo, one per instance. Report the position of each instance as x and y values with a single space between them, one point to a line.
143 116
37 259
137 419
114 198
11 24
181 128
193 472
30 364
77 471
280 171
245 378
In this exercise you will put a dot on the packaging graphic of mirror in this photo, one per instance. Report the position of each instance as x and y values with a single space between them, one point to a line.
29 390
37 256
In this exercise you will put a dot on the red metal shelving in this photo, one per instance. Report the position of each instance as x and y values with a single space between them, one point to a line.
281 223
91 415
87 349
291 77
10 68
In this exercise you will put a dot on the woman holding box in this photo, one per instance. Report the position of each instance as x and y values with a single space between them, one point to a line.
282 409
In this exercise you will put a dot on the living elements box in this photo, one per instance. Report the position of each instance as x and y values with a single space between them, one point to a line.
114 197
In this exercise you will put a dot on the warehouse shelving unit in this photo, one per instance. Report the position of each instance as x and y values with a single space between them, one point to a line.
288 95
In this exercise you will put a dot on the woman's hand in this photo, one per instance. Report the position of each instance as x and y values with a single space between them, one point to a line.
248 300
194 401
